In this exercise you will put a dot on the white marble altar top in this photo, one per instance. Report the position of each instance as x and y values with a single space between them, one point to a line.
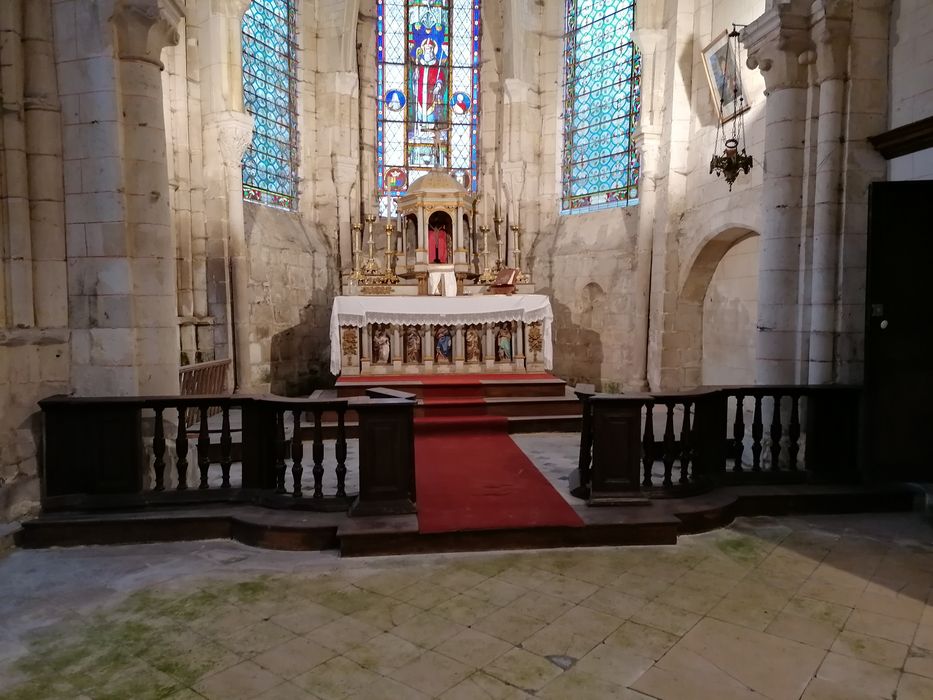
362 310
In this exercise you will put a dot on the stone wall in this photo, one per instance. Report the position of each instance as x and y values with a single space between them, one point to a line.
911 81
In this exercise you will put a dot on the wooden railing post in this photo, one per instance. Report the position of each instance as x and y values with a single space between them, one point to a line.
387 454
580 477
615 477
832 434
710 426
259 443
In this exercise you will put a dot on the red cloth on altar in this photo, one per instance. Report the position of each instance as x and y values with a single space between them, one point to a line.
437 245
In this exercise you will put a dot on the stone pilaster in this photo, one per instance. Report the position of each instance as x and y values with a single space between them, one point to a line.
776 44
831 32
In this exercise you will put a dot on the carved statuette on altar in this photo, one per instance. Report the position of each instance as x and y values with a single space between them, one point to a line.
413 345
504 342
474 344
381 345
443 344
535 341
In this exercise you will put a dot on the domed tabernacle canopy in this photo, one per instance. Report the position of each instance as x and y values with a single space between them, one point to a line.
436 182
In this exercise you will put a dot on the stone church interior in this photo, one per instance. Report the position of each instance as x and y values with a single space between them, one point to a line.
501 288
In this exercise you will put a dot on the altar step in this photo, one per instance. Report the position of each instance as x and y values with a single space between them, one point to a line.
457 385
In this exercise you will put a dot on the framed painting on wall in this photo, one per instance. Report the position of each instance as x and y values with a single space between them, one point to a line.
725 81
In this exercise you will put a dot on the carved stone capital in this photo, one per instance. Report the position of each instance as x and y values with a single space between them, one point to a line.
832 24
777 43
345 172
145 27
648 40
234 132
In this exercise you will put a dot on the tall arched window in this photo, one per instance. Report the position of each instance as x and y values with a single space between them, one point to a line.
270 164
601 102
427 66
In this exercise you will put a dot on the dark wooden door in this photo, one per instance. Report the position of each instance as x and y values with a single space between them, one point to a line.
899 331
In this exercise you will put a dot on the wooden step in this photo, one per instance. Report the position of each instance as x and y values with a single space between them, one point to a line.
457 386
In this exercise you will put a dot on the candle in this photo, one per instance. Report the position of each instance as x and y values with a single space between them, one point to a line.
485 208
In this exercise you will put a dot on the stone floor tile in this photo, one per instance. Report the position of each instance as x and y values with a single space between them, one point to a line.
869 648
665 617
924 636
496 591
227 619
819 610
464 609
509 626
913 687
473 648
336 679
887 602
308 617
457 578
285 691
388 689
524 670
294 657
390 581
804 630
424 595
770 665
347 600
884 626
822 590
185 694
639 586
920 662
820 689
614 664
188 656
245 680
613 602
641 640
860 676
482 686
427 630
343 634
573 634
687 675
580 685
256 639
566 588
386 614
384 653
540 606
432 673
691 599
755 607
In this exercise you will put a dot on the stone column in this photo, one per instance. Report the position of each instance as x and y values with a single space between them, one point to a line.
427 354
458 349
144 28
345 170
647 142
776 44
397 352
232 132
831 35
489 353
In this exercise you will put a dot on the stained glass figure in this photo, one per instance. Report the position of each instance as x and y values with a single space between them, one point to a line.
270 164
427 71
601 105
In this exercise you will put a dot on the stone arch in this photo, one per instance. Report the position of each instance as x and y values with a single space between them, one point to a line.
685 348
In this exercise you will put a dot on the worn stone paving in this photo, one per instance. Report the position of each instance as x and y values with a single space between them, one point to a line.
820 608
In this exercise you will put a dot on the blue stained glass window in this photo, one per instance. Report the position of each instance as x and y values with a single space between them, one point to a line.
270 164
601 104
427 72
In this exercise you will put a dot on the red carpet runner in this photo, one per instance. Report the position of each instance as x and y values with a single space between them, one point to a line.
471 476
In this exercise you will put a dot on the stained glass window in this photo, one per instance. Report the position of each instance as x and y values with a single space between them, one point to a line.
601 102
427 66
270 164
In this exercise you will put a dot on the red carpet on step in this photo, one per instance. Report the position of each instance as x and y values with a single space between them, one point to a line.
471 476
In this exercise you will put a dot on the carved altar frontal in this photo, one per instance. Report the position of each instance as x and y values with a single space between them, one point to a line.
376 335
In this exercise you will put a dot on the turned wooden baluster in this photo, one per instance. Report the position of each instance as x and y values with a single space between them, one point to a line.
341 453
685 447
793 431
758 430
204 445
777 431
181 449
158 451
317 453
297 453
647 445
280 447
738 432
669 451
226 448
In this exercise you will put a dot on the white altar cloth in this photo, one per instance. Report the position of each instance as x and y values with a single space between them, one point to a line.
360 311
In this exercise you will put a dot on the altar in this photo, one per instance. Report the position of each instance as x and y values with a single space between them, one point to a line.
436 335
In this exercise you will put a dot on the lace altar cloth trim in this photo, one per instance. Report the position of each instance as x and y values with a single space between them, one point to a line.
361 311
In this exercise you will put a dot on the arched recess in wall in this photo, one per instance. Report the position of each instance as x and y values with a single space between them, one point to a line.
718 310
588 356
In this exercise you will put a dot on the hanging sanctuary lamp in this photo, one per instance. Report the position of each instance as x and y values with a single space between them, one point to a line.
732 105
